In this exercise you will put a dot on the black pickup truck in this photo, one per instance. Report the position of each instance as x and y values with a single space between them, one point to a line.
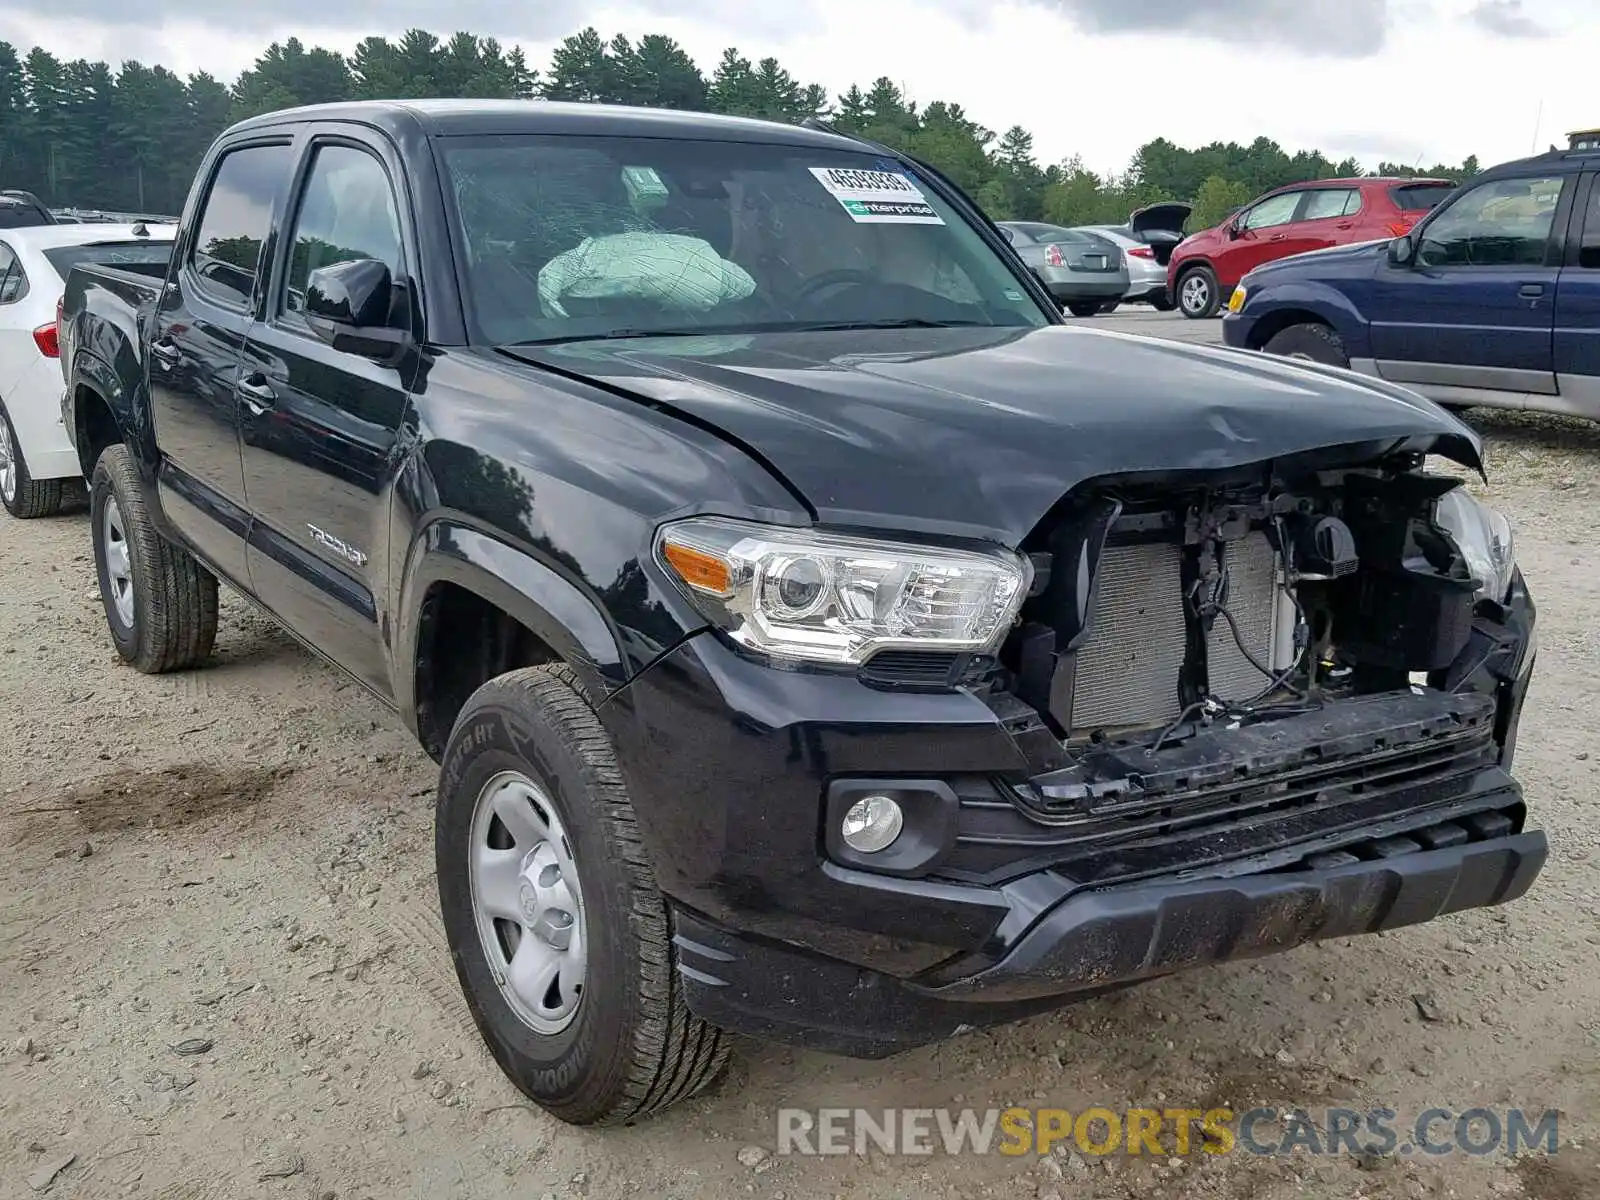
820 639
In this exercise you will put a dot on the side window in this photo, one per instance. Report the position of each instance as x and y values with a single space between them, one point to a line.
347 213
1352 204
1589 247
1330 202
1275 210
13 283
1500 224
235 218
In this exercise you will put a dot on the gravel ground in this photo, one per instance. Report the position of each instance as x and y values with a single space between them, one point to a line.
222 973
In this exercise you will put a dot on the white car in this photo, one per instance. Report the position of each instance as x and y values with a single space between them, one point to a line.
36 455
1147 277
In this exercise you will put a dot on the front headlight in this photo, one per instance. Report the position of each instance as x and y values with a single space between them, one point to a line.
817 597
1483 536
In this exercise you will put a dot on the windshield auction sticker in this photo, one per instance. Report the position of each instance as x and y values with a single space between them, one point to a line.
882 197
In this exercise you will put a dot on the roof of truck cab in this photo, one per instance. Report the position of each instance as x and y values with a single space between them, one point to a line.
457 118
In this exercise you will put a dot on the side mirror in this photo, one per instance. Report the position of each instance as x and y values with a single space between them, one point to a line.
1234 229
347 305
1402 252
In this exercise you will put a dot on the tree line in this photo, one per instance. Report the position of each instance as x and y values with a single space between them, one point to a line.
80 134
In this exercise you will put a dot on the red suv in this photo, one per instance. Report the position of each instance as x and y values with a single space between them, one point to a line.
1205 268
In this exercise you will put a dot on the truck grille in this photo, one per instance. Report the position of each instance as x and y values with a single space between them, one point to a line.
1128 666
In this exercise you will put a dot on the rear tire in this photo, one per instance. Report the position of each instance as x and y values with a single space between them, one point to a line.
604 1038
24 496
1162 302
1199 294
1083 308
1309 342
1109 307
161 604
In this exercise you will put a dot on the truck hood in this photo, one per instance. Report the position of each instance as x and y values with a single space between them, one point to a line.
979 432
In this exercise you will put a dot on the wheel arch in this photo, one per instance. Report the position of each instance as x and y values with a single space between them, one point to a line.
473 607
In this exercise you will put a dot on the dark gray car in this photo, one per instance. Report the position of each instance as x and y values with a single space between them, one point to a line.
1083 271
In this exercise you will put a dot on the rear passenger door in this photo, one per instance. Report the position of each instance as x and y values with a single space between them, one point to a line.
197 333
321 426
1476 306
1326 219
1577 323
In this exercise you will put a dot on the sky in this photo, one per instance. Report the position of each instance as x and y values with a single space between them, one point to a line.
1416 81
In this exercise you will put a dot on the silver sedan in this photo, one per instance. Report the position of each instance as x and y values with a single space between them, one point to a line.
1083 271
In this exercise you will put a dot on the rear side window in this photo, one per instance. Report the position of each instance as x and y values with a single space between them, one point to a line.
1589 247
1419 197
13 283
235 218
1331 202
109 254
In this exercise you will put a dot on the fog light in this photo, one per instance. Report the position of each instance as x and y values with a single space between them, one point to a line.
871 824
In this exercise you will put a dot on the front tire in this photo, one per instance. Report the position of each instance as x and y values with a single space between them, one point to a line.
24 496
561 939
1199 294
161 604
1309 342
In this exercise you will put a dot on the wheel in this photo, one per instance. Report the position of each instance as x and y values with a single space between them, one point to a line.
1083 308
561 940
1109 307
161 604
1309 342
1198 293
24 496
1162 302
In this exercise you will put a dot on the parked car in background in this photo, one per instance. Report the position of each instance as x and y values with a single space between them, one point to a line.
20 210
1084 271
1492 299
1206 268
1147 278
37 458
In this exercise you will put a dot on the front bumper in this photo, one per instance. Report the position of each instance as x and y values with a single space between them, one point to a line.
730 761
1236 327
1087 945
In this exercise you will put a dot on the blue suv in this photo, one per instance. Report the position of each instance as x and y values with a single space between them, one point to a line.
1494 298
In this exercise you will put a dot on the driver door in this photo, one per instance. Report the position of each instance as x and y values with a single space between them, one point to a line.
1260 234
1475 308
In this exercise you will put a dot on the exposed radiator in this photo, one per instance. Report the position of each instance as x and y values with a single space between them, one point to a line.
1128 667
1252 567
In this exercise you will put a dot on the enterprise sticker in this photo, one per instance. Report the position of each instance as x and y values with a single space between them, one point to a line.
881 197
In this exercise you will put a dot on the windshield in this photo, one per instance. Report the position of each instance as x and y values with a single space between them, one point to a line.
585 237
111 254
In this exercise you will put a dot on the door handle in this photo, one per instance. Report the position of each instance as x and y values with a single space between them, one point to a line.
165 352
1531 291
257 394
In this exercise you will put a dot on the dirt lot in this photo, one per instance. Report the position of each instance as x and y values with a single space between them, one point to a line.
237 863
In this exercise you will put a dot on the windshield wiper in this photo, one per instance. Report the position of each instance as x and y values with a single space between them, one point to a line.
609 335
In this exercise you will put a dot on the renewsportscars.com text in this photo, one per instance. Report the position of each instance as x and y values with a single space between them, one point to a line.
1165 1132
